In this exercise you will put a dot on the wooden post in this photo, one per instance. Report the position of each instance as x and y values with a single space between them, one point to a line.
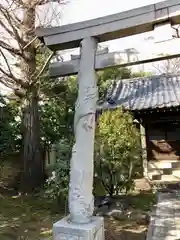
81 201
144 150
50 158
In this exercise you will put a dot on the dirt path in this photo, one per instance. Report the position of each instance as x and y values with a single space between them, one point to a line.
31 218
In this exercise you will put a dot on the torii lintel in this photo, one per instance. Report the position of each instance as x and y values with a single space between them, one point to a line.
111 27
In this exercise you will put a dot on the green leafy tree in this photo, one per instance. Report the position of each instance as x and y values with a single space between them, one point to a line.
57 110
21 72
57 116
9 127
57 183
141 74
57 113
106 76
117 151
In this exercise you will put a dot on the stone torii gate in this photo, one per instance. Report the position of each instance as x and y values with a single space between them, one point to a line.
86 35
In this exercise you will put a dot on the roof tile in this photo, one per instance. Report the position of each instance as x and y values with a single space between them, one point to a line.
144 93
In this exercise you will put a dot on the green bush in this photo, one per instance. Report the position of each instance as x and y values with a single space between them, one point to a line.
10 137
57 183
117 151
117 156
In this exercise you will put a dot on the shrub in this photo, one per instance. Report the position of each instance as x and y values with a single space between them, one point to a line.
117 151
10 137
57 183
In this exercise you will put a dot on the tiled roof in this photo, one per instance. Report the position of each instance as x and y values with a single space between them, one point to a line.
144 93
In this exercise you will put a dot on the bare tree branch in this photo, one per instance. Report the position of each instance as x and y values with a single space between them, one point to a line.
10 75
22 33
5 59
170 66
45 65
11 22
5 81
41 2
29 43
3 24
10 49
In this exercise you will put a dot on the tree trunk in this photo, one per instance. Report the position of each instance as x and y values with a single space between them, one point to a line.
32 173
33 169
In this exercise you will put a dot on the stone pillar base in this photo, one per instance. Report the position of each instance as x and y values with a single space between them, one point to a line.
65 230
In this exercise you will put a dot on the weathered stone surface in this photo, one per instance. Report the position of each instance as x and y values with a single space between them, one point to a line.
66 230
117 215
81 201
164 223
115 207
140 217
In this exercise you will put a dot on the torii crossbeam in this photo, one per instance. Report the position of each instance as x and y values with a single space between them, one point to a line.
111 27
86 35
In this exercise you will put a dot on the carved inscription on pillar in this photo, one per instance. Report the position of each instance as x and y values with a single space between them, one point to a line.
64 236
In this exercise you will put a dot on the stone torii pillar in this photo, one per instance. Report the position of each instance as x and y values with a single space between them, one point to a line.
80 224
81 202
